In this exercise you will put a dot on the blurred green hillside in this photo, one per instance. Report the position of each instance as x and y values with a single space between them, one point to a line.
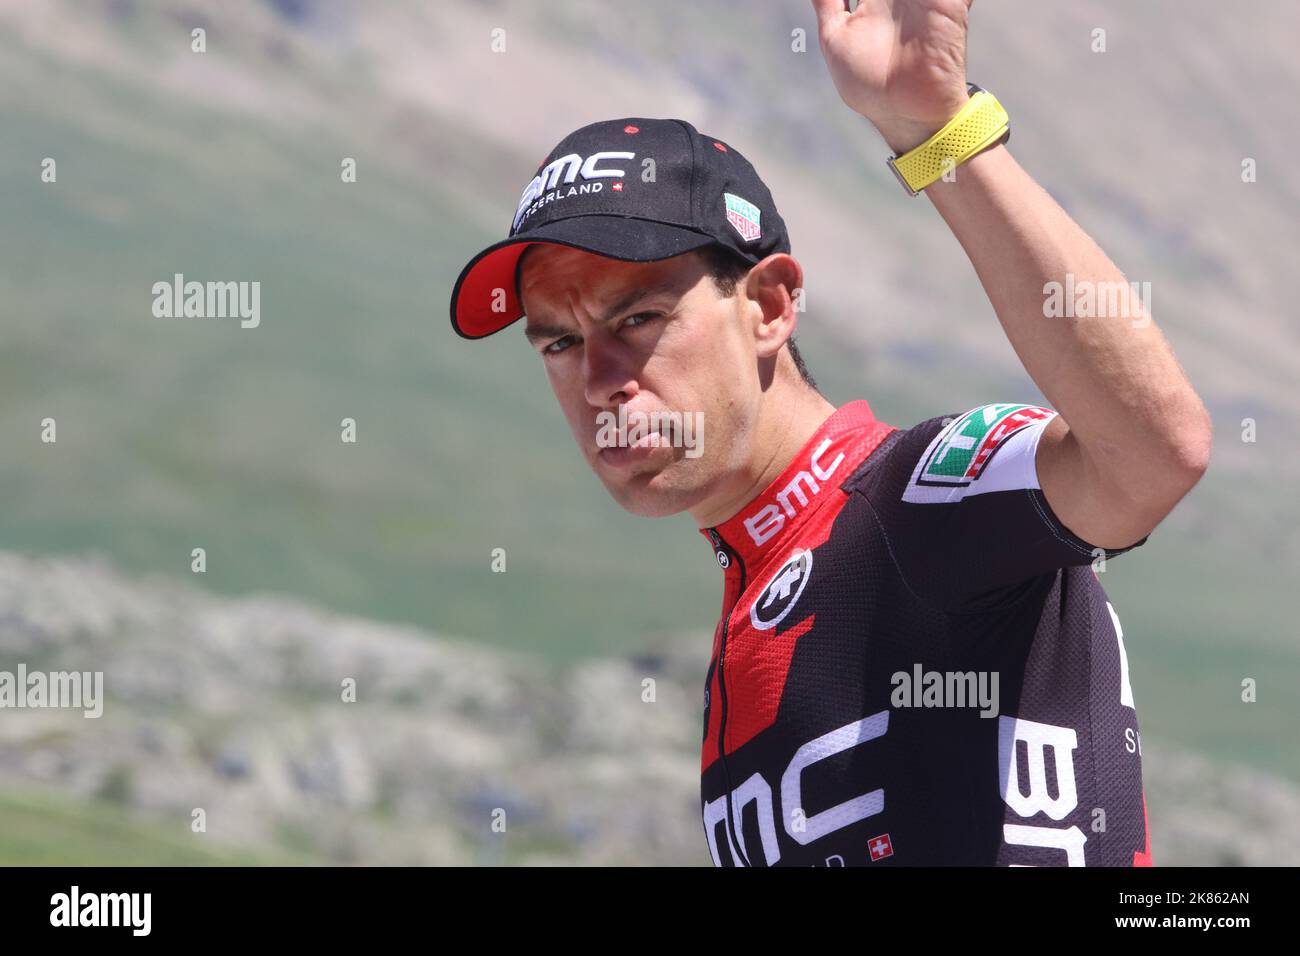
45 830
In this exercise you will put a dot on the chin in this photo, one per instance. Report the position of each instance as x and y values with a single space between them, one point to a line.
653 494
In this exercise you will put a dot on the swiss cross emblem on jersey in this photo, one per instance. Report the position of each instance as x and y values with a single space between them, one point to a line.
744 216
880 847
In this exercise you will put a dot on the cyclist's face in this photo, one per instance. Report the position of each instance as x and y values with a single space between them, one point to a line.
655 337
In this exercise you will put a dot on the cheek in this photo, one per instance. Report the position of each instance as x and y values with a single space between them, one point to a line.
730 359
711 354
569 394
718 376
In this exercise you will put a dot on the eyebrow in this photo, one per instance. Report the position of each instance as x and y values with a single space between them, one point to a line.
536 331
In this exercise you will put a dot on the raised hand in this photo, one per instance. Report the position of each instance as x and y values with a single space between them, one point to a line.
899 63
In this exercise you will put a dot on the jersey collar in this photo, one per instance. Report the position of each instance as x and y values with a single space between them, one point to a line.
812 478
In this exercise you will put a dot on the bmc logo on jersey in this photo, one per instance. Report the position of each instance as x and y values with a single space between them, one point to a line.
782 592
786 803
770 519
563 171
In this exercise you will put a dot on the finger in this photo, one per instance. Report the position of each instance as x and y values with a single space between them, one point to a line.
830 11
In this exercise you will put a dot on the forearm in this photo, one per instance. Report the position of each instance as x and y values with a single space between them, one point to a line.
1132 437
1111 375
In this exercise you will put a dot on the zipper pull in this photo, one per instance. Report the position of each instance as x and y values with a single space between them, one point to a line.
724 559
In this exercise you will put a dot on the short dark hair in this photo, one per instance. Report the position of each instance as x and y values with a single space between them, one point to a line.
726 269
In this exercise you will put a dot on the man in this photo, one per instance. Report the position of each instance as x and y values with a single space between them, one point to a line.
915 663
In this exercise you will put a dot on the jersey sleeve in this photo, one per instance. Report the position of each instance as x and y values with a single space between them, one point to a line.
959 502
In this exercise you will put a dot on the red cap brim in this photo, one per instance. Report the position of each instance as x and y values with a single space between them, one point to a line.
484 299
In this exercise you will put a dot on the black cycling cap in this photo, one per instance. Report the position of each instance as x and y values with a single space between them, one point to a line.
634 189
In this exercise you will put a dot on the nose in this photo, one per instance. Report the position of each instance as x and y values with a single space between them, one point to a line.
608 371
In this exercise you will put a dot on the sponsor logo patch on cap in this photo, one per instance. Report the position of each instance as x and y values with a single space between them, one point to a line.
743 215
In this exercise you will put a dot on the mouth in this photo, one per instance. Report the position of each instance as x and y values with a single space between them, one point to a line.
624 454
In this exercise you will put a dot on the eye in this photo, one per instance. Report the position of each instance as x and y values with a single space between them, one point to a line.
558 346
643 316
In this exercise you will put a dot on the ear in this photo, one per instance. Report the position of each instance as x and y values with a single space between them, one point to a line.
773 285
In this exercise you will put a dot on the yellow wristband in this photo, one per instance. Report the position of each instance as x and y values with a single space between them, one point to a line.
980 123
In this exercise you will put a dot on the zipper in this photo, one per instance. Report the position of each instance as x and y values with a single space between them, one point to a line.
732 823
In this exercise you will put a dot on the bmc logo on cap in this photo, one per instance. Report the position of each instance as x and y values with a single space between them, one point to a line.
566 169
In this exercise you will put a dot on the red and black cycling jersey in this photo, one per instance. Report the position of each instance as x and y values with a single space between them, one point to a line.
916 662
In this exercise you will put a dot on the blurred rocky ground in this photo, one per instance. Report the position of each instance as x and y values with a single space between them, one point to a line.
237 707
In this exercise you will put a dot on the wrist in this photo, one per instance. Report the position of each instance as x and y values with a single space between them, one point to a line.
902 134
981 123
